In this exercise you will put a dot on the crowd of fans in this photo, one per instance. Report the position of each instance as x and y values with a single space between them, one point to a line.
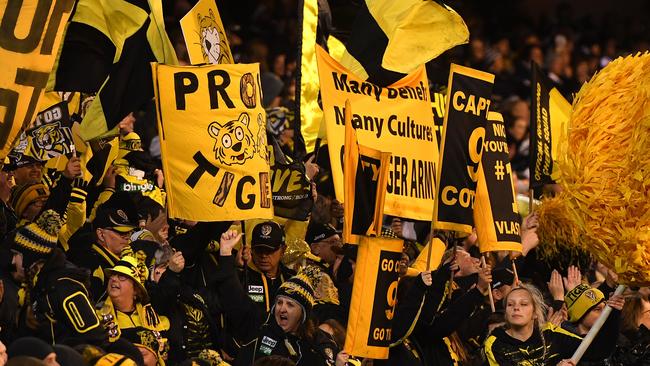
91 276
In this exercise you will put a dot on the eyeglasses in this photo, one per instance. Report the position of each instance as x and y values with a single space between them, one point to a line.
123 235
120 276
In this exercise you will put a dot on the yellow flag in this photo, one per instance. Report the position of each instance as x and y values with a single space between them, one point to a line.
396 119
373 297
205 36
310 114
31 35
213 141
365 174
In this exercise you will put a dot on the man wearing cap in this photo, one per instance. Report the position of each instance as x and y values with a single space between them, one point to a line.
266 272
28 170
58 298
112 229
324 242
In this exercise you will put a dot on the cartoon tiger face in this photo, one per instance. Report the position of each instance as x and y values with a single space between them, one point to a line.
213 40
49 137
235 142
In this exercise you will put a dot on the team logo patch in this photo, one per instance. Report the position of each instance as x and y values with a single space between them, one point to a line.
266 230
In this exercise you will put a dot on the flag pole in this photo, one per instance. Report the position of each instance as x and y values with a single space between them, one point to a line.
243 246
586 341
483 264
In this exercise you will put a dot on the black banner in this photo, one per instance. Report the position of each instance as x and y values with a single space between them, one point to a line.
468 103
292 197
385 295
541 160
51 134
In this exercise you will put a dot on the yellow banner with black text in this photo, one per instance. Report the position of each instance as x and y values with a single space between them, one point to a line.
372 307
496 213
468 102
212 130
396 119
31 32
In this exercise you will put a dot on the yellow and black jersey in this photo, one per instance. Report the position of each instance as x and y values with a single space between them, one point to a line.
547 347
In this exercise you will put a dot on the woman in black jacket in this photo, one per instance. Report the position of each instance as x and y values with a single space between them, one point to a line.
288 331
633 346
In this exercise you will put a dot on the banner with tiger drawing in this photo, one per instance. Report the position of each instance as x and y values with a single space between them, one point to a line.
205 36
212 130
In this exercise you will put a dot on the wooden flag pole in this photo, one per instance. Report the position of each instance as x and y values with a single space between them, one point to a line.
243 245
451 276
489 286
586 341
514 271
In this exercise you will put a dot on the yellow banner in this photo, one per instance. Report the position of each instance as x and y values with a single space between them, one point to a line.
496 212
205 36
373 297
213 141
395 119
31 35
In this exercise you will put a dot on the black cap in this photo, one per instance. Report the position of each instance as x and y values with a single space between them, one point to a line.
317 232
502 276
114 218
25 160
268 235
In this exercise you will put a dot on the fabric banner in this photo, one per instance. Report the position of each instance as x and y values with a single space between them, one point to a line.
99 157
549 122
365 174
107 49
212 130
309 112
468 97
292 197
438 106
395 119
205 36
373 297
496 213
51 134
30 35
390 39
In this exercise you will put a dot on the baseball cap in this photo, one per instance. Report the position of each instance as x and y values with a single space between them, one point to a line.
502 276
317 232
114 218
267 235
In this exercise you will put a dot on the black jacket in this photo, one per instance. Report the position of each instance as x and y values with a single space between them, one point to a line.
186 308
424 319
96 258
259 335
557 344
61 305
632 349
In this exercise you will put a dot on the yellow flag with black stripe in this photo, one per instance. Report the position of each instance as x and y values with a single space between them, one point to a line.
212 130
549 124
373 297
107 49
31 32
365 176
205 36
390 39
496 213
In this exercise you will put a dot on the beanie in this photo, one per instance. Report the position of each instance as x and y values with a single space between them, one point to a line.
67 356
299 289
114 359
23 195
581 300
29 346
38 239
317 232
